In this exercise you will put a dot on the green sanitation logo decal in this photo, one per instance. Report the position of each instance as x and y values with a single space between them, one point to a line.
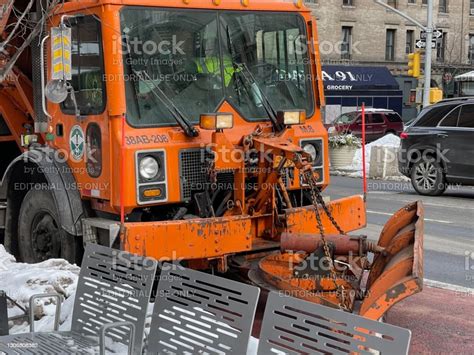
76 142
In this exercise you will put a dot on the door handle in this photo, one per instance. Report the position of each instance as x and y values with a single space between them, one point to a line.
442 135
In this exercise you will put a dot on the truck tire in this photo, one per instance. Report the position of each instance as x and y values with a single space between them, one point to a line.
40 236
427 177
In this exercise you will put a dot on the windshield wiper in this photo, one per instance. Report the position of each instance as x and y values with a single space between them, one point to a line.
183 122
252 86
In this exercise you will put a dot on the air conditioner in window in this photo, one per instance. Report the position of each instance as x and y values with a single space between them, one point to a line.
472 12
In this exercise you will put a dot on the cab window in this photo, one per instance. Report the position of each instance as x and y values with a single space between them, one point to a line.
87 67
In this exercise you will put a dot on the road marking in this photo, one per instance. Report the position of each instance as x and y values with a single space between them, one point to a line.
446 286
426 219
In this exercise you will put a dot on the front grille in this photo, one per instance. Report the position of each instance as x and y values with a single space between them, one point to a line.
194 164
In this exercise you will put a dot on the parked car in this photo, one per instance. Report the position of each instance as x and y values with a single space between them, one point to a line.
438 148
378 123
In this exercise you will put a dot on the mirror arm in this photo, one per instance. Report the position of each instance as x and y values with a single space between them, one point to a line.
73 98
43 98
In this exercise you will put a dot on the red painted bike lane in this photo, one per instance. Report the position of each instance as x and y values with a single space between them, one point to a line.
441 321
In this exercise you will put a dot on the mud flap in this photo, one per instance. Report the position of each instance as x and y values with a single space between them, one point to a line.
397 273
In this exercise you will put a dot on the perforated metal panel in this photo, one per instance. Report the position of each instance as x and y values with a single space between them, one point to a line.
114 286
294 326
198 313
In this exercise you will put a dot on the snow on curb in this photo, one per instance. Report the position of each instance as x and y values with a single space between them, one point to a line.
20 281
355 169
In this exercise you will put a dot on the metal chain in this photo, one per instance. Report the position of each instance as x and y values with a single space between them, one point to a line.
327 211
316 197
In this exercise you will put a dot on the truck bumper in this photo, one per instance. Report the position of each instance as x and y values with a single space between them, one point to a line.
215 237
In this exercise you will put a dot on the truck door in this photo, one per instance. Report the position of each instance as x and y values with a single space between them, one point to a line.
84 139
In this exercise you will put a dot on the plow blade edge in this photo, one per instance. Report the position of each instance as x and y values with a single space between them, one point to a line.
398 272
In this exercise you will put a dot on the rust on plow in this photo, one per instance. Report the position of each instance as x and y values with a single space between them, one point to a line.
398 272
369 289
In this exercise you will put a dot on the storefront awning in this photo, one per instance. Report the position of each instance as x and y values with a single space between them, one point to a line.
341 78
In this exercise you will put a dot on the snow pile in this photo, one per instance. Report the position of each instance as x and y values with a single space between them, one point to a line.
389 140
355 169
20 281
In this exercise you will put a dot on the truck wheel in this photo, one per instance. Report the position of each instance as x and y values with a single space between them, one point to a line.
427 177
40 236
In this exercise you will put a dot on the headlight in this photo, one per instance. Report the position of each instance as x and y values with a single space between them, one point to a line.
149 167
216 121
311 150
289 117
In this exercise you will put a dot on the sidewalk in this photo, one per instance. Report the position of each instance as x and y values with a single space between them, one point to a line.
441 321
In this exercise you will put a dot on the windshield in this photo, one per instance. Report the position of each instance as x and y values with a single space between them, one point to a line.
197 59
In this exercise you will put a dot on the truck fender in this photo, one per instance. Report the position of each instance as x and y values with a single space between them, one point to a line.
41 166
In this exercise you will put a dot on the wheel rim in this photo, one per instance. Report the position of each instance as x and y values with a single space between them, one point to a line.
426 175
45 239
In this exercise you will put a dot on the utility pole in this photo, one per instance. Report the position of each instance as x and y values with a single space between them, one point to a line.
429 39
428 54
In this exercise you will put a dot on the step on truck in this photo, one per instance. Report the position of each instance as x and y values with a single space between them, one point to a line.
187 131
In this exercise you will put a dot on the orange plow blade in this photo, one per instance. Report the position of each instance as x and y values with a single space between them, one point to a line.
357 285
398 272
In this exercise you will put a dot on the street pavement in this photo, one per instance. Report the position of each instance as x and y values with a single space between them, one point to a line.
449 223
441 317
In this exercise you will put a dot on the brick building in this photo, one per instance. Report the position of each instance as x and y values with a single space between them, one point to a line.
360 32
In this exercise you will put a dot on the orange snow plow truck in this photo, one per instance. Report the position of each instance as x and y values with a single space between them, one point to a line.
189 131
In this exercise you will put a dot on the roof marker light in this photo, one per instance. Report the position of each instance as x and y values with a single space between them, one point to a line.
216 2
299 3
245 3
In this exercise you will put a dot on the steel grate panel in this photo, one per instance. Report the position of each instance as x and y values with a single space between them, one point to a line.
201 313
193 172
48 343
292 325
114 286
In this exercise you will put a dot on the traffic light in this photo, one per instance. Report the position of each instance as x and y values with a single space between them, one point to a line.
414 64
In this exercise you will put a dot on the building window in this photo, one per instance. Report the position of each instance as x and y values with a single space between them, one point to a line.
347 2
472 8
390 45
443 6
440 48
392 3
424 2
410 43
471 48
346 45
412 1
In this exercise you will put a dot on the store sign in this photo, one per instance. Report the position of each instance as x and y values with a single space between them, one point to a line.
342 80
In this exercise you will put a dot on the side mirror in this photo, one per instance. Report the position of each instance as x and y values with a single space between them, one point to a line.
61 53
57 89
